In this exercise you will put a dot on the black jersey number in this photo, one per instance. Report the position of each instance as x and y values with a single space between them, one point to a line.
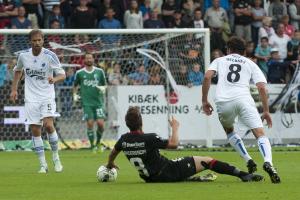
139 165
234 76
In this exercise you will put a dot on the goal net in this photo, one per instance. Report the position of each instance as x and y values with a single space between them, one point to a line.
115 51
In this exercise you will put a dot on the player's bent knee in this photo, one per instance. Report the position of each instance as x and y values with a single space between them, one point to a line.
49 128
203 158
90 124
100 124
207 159
258 132
228 130
36 130
202 162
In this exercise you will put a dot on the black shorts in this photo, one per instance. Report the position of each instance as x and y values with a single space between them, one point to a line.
175 170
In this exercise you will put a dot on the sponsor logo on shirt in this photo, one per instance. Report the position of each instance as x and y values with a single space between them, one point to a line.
92 83
38 74
133 145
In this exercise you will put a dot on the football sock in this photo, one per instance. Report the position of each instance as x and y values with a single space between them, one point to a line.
99 135
223 168
38 146
237 143
90 134
53 141
265 148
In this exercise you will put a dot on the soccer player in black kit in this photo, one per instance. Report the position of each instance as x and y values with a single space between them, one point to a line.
142 150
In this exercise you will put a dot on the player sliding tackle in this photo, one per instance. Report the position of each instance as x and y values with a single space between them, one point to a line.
38 64
142 150
233 99
92 83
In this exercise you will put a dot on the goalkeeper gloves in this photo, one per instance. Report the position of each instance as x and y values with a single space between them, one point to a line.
102 89
76 97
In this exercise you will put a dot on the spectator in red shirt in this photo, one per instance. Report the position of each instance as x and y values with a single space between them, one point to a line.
8 10
288 28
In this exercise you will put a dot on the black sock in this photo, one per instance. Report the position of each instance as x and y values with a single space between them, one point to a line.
223 168
99 135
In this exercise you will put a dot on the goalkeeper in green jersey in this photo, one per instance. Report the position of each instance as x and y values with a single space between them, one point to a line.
92 83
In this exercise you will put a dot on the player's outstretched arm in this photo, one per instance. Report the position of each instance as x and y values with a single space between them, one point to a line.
111 159
173 140
261 86
207 108
14 87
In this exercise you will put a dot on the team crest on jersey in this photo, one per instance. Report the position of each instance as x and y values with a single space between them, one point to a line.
95 76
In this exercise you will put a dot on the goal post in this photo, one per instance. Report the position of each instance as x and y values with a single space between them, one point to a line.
179 48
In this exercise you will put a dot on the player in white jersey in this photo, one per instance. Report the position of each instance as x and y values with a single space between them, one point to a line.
233 99
39 65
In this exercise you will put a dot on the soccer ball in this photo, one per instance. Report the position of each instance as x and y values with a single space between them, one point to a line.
106 175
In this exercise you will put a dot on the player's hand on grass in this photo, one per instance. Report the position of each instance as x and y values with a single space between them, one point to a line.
112 165
207 108
174 123
13 96
266 116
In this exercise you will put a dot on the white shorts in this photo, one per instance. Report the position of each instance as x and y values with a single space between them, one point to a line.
35 112
244 109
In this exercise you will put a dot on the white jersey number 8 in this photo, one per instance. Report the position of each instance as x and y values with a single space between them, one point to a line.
234 69
139 165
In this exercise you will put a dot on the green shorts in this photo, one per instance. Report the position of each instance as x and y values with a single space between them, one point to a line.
93 112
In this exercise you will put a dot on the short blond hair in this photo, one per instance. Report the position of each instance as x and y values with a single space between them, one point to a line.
35 32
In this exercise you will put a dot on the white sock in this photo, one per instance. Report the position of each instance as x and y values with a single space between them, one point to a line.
237 143
265 148
53 141
38 146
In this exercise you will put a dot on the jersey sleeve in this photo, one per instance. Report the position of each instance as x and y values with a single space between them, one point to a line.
103 78
77 79
256 74
19 66
55 64
214 65
118 145
158 142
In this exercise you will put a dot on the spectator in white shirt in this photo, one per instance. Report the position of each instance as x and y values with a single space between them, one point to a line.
280 40
133 18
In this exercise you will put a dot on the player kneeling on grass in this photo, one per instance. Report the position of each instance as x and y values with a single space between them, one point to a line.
39 64
142 150
92 83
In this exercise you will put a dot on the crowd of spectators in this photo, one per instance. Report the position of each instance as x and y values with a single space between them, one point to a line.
270 28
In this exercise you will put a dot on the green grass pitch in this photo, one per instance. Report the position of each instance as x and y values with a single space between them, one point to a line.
19 180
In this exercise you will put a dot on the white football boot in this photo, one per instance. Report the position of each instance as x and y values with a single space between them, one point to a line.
43 169
57 166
